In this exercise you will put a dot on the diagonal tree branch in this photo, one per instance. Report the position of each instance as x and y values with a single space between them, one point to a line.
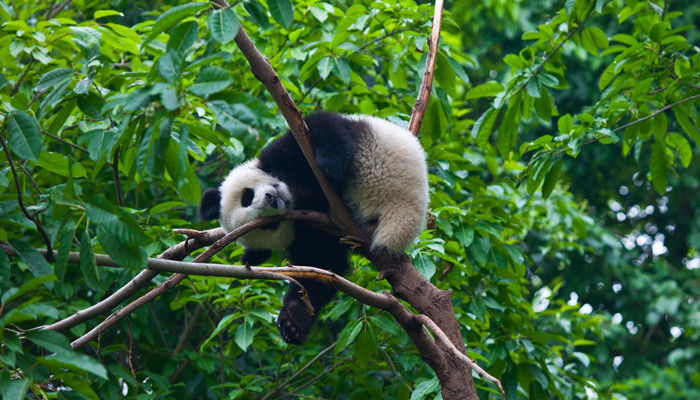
427 84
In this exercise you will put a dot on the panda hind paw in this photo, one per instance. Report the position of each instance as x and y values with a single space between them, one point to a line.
294 323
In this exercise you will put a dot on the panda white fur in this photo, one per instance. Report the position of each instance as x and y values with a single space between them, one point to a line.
248 193
377 167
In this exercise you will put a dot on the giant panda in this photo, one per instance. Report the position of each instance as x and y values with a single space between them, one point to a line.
377 167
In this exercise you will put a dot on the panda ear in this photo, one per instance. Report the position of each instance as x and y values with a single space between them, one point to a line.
210 204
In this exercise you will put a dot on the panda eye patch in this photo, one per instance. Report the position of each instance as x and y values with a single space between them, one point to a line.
247 198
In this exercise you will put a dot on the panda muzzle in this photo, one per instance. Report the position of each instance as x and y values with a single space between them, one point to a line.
272 199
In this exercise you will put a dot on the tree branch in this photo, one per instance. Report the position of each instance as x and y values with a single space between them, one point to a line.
263 71
440 335
426 86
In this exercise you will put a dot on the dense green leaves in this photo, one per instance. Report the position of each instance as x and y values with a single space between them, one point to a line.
560 172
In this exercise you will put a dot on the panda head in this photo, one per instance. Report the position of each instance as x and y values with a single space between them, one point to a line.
246 194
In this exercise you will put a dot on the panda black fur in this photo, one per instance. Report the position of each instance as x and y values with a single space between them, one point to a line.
378 169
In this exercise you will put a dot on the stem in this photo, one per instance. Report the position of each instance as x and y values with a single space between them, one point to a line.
20 200
659 111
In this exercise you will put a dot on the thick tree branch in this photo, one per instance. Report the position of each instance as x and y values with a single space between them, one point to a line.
427 84
263 71
455 376
440 335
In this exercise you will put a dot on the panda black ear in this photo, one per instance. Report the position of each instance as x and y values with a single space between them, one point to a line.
210 204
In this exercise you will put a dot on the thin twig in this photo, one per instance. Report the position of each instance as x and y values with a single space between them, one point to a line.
55 10
386 35
117 183
73 145
655 113
21 78
20 199
277 388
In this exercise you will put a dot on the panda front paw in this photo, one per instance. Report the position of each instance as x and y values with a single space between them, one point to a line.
294 322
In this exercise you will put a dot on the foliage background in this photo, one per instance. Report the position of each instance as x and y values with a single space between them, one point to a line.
568 238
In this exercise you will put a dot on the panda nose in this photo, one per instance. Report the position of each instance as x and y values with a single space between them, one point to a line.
272 200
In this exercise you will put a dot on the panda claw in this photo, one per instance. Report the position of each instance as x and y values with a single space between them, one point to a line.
354 242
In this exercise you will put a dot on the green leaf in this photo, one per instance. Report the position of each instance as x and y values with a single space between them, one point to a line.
128 256
34 260
594 38
99 142
464 234
172 17
366 345
485 90
324 67
106 13
88 265
550 180
659 125
223 25
625 39
537 174
73 361
58 164
169 66
223 324
481 131
543 105
26 287
83 85
50 340
608 75
182 37
86 37
687 125
16 389
508 129
211 80
235 118
243 335
51 78
25 136
479 249
681 144
281 11
658 165
349 333
425 265
90 105
342 66
565 124
425 388
533 87
4 268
